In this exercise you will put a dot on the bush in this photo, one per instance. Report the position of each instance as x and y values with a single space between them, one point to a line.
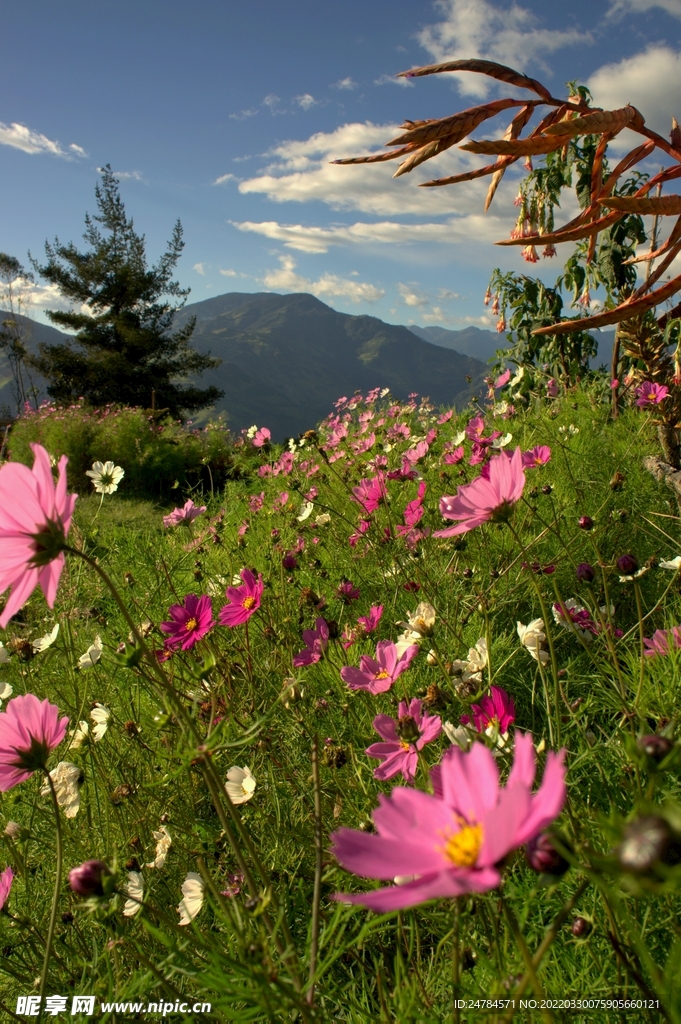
158 454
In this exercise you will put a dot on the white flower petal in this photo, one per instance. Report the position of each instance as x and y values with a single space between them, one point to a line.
135 890
192 891
67 779
240 785
45 641
92 655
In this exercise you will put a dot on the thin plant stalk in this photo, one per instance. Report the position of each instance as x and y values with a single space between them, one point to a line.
317 893
55 896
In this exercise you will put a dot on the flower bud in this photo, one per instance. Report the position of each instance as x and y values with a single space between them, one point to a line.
547 489
646 842
656 747
585 573
12 830
542 856
627 564
87 879
581 927
585 523
407 729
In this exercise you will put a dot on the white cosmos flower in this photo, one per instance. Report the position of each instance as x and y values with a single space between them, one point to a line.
323 519
105 476
501 442
477 656
6 691
45 641
192 891
533 639
305 511
421 622
79 735
135 890
458 735
674 564
100 715
92 655
163 844
4 654
459 438
634 576
240 785
252 431
67 779
405 640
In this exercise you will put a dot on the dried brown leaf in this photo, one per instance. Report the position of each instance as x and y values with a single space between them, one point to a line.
424 153
531 146
512 132
648 206
377 158
596 123
674 237
454 179
460 124
483 67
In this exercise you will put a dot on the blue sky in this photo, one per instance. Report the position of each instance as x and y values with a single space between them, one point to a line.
227 114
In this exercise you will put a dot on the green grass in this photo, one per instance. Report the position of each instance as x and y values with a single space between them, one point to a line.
148 768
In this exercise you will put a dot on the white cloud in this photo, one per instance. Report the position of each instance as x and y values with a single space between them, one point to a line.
18 136
243 115
411 296
225 178
328 285
78 150
346 83
125 175
302 171
311 239
306 101
651 80
393 80
229 273
200 268
618 8
272 102
510 35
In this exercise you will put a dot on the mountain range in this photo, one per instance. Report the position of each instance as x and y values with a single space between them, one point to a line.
285 359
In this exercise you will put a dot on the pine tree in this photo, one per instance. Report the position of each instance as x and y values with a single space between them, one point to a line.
124 348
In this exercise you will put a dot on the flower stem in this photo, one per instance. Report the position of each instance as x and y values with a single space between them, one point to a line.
55 895
317 895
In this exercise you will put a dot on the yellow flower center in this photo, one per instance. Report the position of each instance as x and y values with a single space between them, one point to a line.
382 675
191 624
405 745
463 846
248 602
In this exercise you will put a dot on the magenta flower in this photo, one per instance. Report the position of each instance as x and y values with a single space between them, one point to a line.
370 493
495 710
6 879
244 600
256 502
30 729
552 389
660 642
651 394
453 844
537 456
347 592
316 642
189 622
485 500
370 622
378 675
185 515
456 455
261 437
35 516
404 738
503 379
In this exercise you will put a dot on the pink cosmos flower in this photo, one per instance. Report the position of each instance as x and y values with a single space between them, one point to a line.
278 503
552 389
256 502
404 738
451 458
445 417
6 879
660 642
475 428
496 709
35 516
362 527
316 642
415 455
244 600
452 843
370 622
537 456
651 394
189 622
185 515
485 500
502 379
378 675
262 437
370 493
347 592
29 730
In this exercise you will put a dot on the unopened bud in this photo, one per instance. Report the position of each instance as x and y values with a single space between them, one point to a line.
581 927
585 523
656 747
87 879
627 564
407 729
542 856
585 573
646 842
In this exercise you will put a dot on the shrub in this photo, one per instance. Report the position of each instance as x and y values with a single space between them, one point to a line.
157 454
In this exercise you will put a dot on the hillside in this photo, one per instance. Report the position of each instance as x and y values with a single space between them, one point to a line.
471 341
36 333
287 358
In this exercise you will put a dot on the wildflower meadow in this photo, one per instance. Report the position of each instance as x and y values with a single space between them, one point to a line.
384 730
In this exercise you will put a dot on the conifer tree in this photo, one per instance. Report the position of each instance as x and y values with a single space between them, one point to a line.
124 347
